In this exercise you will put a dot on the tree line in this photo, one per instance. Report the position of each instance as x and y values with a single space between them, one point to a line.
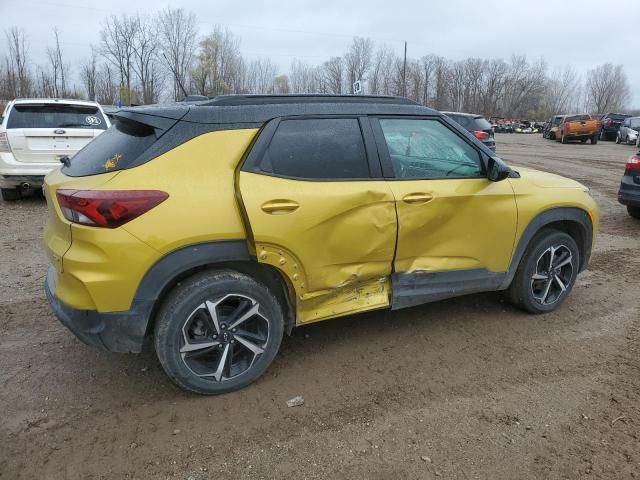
143 59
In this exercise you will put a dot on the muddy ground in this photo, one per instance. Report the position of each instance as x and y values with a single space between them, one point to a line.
466 388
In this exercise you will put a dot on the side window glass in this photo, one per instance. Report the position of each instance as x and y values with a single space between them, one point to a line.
319 148
428 149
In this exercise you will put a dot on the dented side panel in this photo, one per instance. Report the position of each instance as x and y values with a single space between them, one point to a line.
334 241
459 224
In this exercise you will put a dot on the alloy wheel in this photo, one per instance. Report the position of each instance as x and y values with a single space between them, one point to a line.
223 339
553 274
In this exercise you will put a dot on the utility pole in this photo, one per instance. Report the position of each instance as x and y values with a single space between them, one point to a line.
404 72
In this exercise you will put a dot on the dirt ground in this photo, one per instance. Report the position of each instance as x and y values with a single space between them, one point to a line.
462 389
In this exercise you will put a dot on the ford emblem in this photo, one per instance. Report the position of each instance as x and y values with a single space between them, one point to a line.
59 131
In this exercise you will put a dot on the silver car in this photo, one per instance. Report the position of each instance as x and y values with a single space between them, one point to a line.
628 131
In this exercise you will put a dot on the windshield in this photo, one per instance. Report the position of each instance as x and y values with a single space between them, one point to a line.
55 116
634 122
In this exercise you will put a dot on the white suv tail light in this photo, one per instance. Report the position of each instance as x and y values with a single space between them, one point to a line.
4 143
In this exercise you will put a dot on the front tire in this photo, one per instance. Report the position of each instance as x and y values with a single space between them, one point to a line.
563 138
218 331
594 140
618 138
10 194
547 272
633 211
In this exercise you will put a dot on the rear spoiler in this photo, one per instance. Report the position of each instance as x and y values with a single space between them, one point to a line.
160 119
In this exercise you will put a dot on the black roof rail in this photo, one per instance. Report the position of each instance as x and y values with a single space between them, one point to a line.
236 100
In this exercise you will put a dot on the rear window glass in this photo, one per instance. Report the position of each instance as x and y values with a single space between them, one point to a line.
578 118
461 120
481 123
56 116
618 116
328 148
115 149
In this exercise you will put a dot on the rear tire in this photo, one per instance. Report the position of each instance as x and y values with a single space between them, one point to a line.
603 136
563 139
547 272
633 211
594 140
10 194
618 138
218 331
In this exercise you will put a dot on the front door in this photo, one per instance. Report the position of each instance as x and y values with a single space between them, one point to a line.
318 215
453 221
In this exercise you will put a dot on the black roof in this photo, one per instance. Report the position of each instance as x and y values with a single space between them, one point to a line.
257 109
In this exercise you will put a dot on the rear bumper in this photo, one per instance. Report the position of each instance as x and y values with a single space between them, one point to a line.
629 193
14 173
121 332
28 181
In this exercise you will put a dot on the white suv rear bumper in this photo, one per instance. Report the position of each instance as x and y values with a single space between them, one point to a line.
14 174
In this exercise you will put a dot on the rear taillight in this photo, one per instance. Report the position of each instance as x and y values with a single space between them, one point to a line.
608 123
480 135
633 163
4 143
107 208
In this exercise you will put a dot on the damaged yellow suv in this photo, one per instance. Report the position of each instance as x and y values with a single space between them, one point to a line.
219 225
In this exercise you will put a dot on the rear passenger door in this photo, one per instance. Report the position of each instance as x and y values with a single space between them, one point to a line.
317 205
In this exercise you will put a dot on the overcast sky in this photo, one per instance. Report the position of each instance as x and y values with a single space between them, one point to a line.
581 34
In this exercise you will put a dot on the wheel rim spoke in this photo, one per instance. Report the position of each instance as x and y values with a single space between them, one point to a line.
559 282
564 262
245 316
212 345
553 275
547 288
192 347
250 345
251 335
213 314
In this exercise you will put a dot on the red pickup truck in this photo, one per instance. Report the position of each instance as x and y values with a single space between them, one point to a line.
581 127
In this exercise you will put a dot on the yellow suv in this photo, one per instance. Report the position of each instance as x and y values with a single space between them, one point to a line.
219 225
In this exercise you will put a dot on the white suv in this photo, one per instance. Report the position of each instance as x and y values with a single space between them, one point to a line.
37 134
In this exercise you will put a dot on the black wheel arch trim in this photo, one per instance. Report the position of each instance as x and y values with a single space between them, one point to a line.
234 254
575 215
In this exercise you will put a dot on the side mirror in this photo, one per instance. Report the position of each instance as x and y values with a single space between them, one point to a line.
496 170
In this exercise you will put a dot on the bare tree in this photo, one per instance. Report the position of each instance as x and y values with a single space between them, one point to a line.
358 59
218 64
378 81
145 61
281 85
89 75
260 75
177 35
58 84
117 39
607 88
107 91
17 78
561 91
334 75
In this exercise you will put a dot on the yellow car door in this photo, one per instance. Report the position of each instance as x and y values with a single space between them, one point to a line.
320 212
456 228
